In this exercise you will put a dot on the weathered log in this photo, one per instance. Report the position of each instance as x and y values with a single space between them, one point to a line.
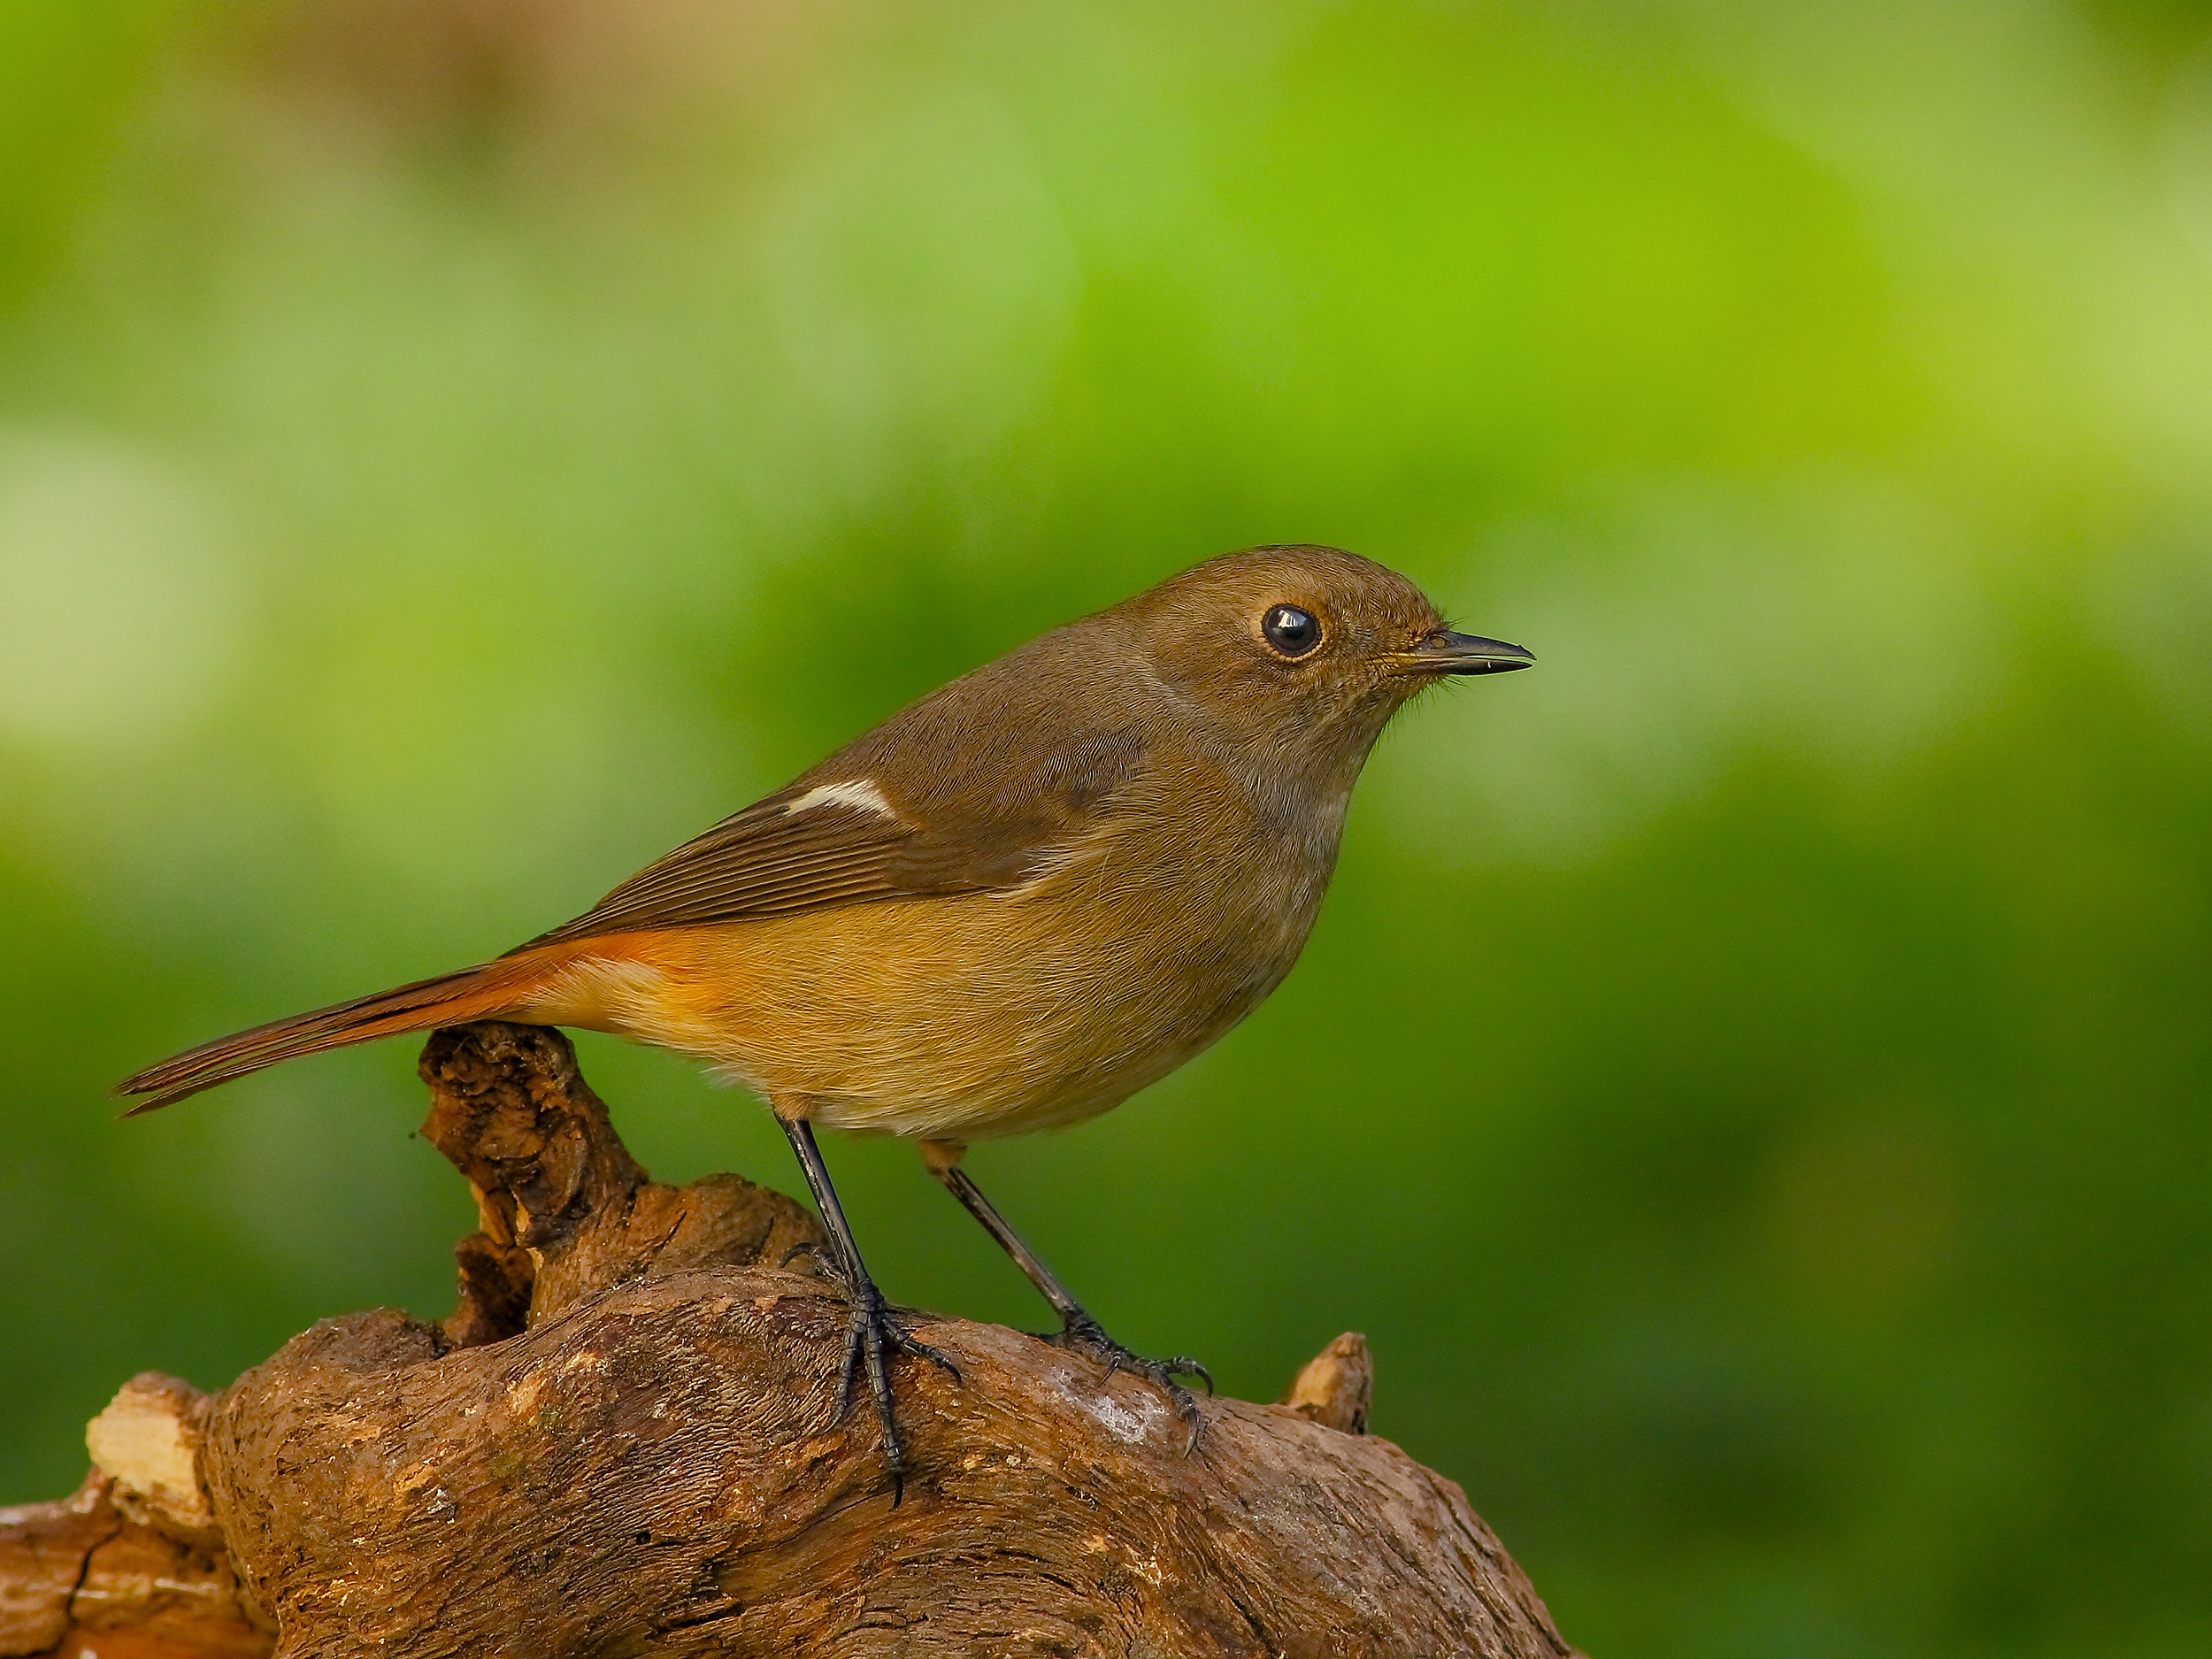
626 1441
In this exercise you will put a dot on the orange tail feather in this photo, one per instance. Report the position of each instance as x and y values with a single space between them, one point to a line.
450 999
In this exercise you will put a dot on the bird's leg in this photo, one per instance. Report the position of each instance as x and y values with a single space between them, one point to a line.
1079 1331
872 1328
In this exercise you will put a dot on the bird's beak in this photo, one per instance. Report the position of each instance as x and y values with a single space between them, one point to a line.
1444 652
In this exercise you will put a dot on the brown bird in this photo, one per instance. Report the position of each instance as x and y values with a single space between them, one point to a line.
1010 906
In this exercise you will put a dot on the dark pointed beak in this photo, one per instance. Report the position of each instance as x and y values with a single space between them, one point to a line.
1444 652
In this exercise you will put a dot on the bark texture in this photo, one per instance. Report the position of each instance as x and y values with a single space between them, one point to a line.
625 1441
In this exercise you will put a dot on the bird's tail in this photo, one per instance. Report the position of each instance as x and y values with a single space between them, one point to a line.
451 999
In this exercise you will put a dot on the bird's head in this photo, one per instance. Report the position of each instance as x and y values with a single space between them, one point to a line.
1304 653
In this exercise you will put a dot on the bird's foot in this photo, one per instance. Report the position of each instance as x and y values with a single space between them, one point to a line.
874 1331
1083 1334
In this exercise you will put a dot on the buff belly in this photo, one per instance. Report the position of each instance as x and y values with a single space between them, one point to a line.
956 1018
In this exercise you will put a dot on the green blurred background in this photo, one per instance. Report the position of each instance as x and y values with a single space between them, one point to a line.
1750 1079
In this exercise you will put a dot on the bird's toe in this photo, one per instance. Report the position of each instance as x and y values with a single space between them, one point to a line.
1084 1335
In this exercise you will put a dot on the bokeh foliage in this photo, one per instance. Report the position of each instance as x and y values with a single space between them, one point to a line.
1750 1079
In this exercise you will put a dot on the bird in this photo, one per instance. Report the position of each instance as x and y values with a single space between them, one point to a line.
1010 907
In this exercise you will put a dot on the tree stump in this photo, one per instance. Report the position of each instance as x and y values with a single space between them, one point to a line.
624 1441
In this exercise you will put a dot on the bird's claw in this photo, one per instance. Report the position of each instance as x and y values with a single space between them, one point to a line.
814 1250
872 1332
868 1334
1084 1335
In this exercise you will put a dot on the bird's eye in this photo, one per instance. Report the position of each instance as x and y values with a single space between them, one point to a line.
1291 631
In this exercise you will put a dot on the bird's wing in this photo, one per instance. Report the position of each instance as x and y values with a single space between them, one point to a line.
853 836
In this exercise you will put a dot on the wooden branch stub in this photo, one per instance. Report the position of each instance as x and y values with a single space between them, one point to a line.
563 1209
626 1442
1337 1385
148 1442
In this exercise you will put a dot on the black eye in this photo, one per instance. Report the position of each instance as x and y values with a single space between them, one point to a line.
1291 631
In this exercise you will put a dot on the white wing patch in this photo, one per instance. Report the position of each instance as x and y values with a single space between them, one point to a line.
855 792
